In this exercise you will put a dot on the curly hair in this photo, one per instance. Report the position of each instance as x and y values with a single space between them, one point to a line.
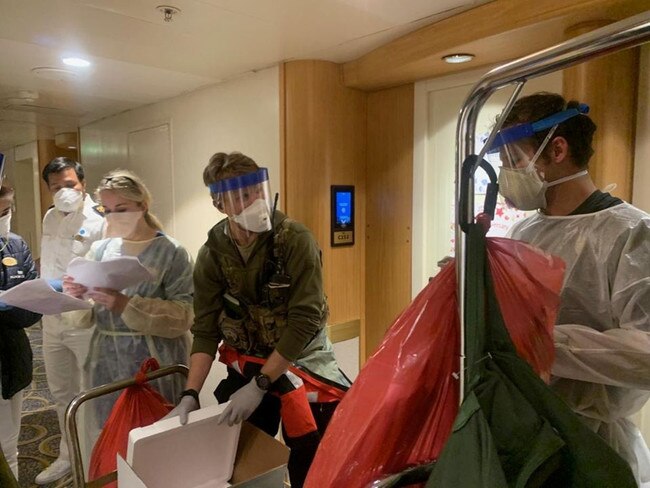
578 131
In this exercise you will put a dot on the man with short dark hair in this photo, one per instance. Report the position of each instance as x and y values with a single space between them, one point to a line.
602 336
69 228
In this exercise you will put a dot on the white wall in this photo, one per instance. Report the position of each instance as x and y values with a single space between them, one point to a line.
241 115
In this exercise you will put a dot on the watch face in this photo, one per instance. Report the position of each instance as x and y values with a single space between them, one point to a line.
263 382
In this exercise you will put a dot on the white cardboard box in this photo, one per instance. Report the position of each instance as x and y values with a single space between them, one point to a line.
201 454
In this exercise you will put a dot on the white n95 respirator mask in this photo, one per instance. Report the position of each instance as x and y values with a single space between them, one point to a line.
256 217
68 200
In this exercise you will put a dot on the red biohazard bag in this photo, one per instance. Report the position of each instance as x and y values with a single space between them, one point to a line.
401 408
137 406
527 284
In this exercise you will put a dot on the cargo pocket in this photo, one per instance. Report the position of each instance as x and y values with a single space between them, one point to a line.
234 332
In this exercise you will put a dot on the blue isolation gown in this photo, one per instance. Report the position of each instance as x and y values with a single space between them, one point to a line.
155 323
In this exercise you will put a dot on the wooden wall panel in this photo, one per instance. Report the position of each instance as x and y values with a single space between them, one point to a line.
389 209
609 86
495 32
47 151
324 134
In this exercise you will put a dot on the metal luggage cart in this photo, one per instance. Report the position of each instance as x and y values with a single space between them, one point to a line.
78 477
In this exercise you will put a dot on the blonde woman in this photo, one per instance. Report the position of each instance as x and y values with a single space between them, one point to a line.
150 319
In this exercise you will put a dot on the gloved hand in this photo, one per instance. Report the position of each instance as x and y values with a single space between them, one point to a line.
242 404
185 406
4 307
56 284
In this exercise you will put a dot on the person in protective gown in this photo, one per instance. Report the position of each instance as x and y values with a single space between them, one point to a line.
259 293
602 335
150 319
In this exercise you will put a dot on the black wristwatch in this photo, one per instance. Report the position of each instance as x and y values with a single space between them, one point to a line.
193 393
263 381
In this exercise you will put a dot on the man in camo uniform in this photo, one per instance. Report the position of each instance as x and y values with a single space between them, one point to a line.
259 291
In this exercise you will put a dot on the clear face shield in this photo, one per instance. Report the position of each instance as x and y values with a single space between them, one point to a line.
2 168
246 199
519 180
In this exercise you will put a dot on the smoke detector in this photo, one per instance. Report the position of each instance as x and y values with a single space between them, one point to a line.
168 12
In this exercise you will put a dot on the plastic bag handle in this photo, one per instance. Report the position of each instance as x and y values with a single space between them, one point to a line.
148 365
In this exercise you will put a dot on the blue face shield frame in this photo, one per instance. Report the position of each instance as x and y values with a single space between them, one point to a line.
528 129
238 182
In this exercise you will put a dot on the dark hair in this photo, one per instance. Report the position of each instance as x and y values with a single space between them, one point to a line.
61 163
578 131
222 166
6 192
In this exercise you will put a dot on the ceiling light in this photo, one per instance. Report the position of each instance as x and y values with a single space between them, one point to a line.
76 62
168 12
458 58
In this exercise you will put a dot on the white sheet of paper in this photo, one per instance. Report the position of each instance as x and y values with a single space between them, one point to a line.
38 296
116 274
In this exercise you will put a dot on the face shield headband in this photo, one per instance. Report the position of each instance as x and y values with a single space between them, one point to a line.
529 129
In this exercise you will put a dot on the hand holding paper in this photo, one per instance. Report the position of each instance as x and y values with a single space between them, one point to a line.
111 299
73 289
115 274
38 296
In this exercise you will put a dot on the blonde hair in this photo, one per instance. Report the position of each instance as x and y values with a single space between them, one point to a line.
130 186
222 166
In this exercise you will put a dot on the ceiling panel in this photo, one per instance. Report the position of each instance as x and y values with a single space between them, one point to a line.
138 58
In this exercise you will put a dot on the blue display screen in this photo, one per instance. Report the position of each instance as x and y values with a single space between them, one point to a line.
344 209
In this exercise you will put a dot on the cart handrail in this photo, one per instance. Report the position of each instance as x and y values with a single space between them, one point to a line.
621 35
71 430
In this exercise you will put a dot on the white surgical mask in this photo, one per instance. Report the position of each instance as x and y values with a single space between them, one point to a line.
5 225
256 217
68 200
122 224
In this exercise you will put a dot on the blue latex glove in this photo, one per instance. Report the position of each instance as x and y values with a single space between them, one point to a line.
4 307
56 284
242 404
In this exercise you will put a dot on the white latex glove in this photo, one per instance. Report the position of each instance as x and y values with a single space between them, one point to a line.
242 404
185 406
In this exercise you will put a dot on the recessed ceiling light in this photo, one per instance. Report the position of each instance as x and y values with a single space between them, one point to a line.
458 58
76 62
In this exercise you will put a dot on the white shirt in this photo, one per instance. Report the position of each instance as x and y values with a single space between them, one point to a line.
66 236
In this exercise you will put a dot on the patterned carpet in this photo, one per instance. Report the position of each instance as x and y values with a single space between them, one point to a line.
39 434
